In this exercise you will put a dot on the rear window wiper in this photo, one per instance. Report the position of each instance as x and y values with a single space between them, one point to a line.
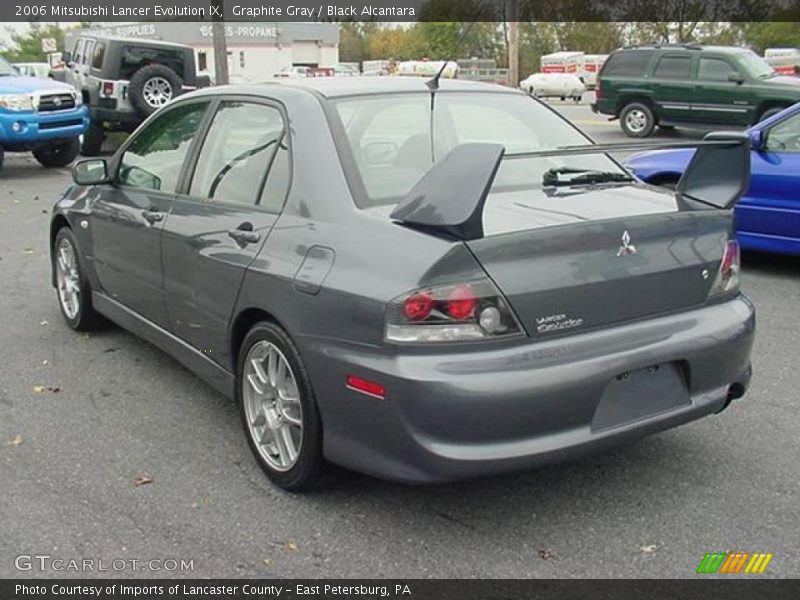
570 176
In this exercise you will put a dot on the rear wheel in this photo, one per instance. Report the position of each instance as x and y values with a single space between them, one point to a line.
2 156
93 140
637 120
278 409
72 288
59 154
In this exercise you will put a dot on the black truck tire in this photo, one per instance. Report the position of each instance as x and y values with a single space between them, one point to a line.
58 154
151 87
93 140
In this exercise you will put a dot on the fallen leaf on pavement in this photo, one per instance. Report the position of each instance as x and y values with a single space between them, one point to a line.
267 562
45 362
28 251
39 389
291 546
46 388
648 549
43 323
546 554
142 479
15 441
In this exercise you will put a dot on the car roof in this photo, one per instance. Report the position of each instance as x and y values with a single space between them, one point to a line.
332 87
132 40
692 47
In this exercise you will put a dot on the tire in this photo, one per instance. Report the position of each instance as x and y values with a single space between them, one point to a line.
59 154
637 120
267 415
2 156
80 316
151 87
770 112
93 140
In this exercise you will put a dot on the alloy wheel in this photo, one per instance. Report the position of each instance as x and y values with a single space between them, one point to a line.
636 120
157 91
68 279
272 406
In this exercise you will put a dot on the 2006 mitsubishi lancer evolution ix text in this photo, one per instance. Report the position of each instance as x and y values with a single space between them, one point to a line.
416 280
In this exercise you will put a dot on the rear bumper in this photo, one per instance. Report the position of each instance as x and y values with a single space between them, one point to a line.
25 130
457 414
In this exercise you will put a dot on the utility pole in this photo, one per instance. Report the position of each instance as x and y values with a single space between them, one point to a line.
220 44
513 43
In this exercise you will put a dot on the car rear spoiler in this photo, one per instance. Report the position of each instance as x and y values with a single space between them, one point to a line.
450 198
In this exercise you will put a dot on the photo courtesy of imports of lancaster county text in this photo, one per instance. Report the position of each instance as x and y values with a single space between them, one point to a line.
443 299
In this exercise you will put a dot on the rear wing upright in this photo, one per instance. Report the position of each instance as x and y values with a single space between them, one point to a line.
449 199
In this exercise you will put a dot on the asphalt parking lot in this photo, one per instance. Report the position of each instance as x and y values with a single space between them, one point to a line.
82 416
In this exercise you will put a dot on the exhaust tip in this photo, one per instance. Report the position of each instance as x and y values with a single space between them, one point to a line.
735 391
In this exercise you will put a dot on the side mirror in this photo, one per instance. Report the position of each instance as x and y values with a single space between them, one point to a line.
758 139
92 171
735 77
66 57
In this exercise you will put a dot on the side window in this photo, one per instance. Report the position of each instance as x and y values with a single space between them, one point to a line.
87 54
237 154
154 159
78 51
99 54
785 136
714 69
629 63
673 67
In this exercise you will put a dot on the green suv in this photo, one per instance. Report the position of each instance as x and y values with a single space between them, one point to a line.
669 85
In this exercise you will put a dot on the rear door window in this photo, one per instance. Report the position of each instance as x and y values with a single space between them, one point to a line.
629 63
78 51
673 67
88 52
245 143
99 54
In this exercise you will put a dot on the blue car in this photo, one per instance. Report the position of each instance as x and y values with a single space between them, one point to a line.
42 116
768 215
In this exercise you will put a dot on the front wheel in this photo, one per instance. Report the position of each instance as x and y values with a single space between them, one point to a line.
637 120
59 154
278 409
72 287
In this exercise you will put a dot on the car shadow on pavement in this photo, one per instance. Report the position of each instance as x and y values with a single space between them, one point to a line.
771 264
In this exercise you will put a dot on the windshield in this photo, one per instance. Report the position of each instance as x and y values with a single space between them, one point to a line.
6 68
395 141
755 66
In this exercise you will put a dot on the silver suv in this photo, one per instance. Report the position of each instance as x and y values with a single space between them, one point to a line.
125 80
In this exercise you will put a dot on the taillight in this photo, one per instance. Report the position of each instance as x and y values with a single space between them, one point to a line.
451 313
108 88
727 281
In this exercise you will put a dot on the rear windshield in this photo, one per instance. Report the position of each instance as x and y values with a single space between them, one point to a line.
136 57
628 63
395 140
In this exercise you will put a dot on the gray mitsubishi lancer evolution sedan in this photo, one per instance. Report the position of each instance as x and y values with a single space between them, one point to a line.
419 280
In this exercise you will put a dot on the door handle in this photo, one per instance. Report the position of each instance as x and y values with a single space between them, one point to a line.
244 234
152 216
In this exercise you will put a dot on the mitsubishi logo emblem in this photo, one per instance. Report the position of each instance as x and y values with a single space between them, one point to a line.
626 249
57 101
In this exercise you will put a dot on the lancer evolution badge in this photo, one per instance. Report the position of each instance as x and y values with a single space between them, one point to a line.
626 249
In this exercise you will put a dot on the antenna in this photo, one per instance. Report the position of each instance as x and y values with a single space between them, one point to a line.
433 83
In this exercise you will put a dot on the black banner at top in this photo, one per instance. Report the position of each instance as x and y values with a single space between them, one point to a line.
399 10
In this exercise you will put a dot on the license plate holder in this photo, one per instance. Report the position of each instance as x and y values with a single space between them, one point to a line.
641 393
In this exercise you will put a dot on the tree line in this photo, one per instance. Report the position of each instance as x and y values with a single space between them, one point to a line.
361 41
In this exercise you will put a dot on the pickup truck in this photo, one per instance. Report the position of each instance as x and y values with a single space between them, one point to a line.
42 116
